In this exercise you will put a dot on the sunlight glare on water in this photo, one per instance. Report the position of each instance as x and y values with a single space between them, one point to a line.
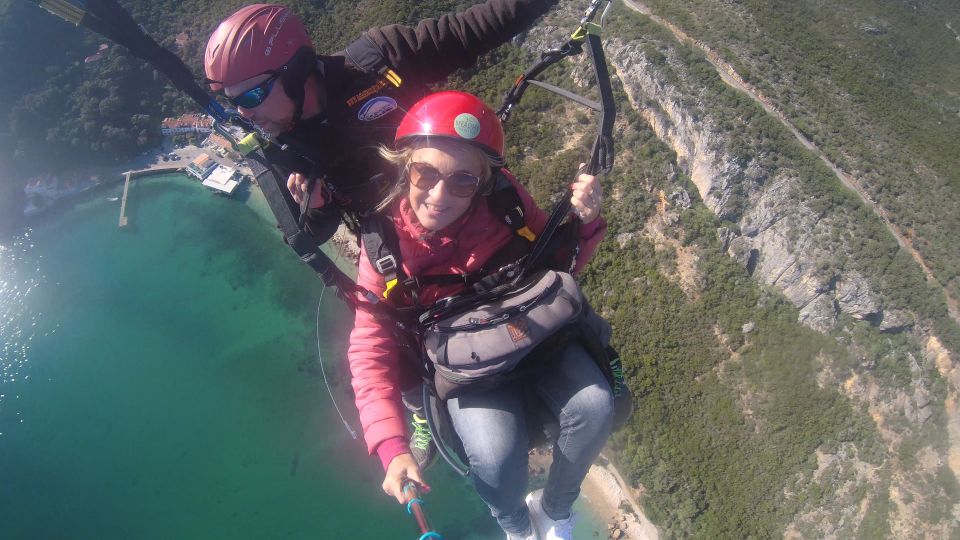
20 278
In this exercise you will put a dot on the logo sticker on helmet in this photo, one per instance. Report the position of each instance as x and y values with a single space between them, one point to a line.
466 125
377 107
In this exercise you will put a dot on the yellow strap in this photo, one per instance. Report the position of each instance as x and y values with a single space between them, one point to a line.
581 32
390 284
526 233
393 78
248 144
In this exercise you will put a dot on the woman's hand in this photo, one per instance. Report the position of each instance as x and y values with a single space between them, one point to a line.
587 196
402 468
298 183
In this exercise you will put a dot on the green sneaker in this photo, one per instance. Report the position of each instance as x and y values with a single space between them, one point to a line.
421 442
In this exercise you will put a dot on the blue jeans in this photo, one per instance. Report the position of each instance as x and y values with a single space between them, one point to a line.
492 426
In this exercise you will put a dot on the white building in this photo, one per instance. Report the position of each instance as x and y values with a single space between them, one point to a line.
201 166
222 179
187 123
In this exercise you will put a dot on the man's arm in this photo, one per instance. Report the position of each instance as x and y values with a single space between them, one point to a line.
438 47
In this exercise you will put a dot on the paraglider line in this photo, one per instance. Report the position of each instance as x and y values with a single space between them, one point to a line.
323 370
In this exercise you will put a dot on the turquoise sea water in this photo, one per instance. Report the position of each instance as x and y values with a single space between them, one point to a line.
162 382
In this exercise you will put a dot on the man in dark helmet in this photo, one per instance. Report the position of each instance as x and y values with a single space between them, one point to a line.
331 111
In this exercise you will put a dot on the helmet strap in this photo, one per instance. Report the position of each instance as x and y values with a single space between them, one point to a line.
294 75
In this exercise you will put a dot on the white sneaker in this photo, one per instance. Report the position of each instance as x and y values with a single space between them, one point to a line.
533 536
545 527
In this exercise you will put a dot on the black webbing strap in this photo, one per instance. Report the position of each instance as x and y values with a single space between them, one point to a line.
601 155
286 212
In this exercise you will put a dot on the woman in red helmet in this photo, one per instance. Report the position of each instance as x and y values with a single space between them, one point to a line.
450 147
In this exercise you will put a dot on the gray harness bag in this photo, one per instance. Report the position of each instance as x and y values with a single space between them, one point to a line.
491 339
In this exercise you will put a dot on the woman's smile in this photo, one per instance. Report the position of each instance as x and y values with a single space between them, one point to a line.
436 207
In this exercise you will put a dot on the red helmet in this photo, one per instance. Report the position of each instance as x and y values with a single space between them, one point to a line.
456 115
254 40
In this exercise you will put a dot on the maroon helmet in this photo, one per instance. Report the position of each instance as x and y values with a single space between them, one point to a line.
255 40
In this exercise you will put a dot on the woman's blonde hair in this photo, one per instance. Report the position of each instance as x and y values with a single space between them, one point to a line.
400 159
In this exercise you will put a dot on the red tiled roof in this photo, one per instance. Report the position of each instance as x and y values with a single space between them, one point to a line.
188 120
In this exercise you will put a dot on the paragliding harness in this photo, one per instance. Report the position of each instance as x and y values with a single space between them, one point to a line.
510 321
555 248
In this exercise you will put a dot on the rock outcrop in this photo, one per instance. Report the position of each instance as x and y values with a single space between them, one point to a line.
780 239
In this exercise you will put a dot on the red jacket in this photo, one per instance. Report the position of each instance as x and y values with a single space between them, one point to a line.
462 247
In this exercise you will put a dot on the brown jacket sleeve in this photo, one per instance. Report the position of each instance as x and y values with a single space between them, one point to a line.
438 47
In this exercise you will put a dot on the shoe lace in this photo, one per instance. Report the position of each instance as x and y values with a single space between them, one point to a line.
421 432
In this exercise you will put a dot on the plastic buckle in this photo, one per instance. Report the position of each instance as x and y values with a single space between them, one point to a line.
386 265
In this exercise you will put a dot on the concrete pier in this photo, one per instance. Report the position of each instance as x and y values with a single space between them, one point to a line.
123 202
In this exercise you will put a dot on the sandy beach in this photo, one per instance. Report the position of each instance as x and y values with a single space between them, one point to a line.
609 496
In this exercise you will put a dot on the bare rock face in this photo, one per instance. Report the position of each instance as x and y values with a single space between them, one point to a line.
821 314
680 198
896 320
855 297
781 241
742 250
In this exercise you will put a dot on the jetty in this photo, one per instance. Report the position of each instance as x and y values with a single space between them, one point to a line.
153 169
123 202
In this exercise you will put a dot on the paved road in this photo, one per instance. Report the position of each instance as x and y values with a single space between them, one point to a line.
187 154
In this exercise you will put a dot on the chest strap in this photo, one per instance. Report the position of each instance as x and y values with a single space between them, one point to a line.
382 247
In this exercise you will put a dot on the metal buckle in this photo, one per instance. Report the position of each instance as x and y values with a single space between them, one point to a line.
386 265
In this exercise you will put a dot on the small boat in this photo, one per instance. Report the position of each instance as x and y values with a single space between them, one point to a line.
113 199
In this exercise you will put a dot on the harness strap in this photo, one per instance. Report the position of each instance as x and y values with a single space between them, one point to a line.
382 247
365 55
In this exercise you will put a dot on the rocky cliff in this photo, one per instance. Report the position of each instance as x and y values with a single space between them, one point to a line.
780 239
776 226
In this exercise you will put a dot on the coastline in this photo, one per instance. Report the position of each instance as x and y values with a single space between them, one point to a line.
609 496
604 490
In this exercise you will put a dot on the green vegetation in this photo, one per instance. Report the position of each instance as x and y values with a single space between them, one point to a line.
873 84
761 144
727 421
729 412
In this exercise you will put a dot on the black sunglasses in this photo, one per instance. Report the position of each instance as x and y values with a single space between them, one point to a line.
255 96
459 183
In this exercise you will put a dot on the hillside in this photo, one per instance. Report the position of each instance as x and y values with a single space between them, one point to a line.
789 352
782 214
792 364
872 84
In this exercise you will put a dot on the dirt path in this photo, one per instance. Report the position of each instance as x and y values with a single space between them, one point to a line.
732 78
